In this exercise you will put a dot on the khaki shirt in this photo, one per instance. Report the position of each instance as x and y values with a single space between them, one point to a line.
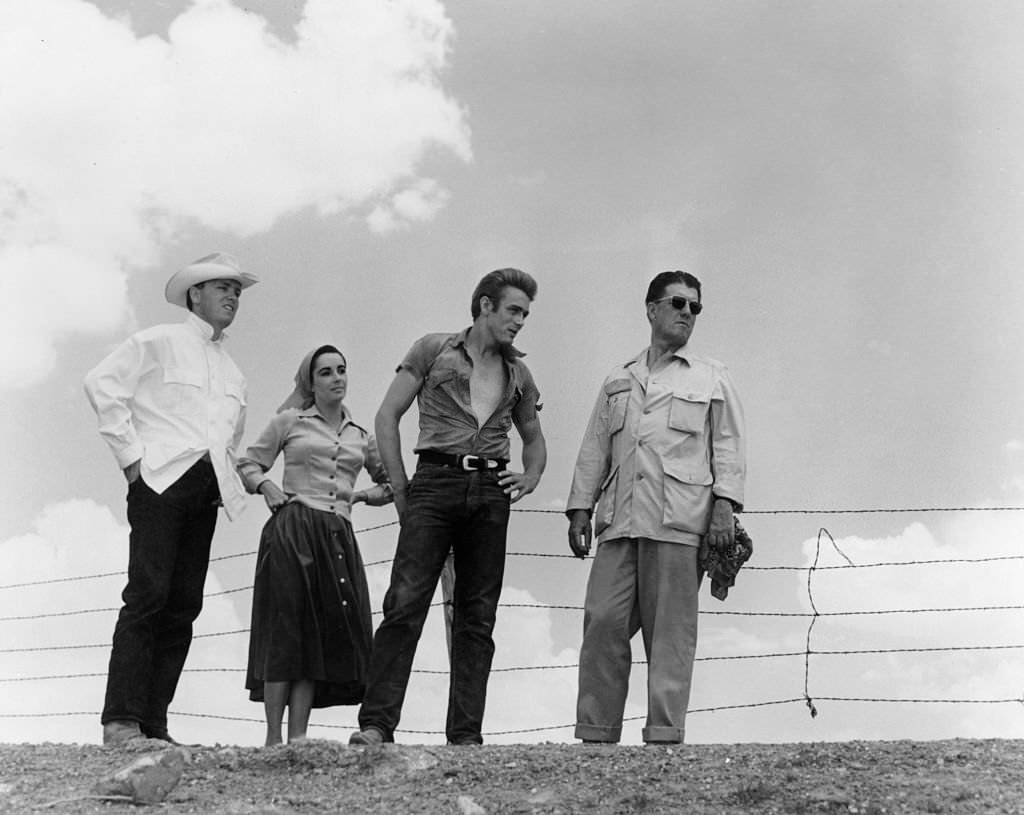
660 445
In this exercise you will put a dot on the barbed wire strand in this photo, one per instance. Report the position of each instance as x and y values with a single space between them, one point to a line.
704 612
549 728
575 665
819 511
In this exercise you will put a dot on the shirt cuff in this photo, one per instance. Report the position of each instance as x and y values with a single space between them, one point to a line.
736 505
129 455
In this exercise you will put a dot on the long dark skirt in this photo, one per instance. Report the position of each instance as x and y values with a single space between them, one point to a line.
310 607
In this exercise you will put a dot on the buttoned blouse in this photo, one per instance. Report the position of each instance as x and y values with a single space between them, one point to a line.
660 445
167 396
321 462
447 421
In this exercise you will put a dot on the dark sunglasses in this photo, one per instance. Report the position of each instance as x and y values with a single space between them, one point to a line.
680 303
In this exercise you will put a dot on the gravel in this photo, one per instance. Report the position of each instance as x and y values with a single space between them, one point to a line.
958 776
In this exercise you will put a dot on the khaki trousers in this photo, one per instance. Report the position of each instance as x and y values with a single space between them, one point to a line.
650 586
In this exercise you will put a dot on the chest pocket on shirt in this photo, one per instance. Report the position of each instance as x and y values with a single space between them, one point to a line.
235 391
182 376
689 411
617 393
443 380
182 389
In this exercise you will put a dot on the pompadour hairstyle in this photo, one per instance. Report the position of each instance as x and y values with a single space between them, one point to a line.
492 284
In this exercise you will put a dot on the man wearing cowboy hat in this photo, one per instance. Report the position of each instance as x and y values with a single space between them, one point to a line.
171 405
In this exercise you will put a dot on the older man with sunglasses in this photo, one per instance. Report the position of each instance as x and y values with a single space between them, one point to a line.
663 461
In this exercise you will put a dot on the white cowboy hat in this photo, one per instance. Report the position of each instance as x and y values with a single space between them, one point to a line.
218 266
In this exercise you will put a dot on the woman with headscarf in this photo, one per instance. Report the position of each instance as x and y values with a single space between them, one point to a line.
309 643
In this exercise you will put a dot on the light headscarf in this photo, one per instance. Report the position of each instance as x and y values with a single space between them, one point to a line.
302 394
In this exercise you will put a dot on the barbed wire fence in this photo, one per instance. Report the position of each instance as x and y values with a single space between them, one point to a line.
809 651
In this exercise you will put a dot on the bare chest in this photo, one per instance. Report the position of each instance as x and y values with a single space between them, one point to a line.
486 387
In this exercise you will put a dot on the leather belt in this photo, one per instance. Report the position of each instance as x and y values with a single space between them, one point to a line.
461 462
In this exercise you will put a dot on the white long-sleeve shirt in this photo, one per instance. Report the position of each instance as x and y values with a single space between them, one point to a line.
167 396
659 446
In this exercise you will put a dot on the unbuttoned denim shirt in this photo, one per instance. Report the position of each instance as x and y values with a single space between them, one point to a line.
447 421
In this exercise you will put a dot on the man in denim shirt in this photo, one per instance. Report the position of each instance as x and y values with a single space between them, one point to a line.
471 387
663 459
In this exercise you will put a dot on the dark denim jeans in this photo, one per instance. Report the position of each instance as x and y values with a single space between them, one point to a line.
448 510
168 555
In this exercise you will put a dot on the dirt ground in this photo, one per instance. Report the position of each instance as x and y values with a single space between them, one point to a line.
960 776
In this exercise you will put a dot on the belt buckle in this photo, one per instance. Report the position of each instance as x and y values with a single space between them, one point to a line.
469 463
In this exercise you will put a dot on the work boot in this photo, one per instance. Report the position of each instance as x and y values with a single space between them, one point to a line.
120 732
368 737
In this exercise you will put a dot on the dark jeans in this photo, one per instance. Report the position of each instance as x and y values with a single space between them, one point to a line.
168 555
448 510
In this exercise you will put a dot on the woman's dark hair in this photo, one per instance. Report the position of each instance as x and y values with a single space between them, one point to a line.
323 349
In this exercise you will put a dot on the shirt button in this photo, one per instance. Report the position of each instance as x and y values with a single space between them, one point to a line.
331 477
342 580
344 602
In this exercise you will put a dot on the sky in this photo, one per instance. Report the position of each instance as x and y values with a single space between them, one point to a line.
846 178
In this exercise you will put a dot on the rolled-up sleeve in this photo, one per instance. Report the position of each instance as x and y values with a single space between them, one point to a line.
421 355
728 441
261 454
529 404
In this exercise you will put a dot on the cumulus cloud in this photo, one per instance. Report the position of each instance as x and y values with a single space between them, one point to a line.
80 538
419 202
115 144
929 672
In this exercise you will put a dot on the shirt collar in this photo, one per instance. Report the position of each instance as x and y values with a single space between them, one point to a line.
346 417
509 352
684 353
203 328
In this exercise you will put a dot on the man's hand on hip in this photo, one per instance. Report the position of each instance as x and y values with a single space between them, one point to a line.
132 471
517 485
